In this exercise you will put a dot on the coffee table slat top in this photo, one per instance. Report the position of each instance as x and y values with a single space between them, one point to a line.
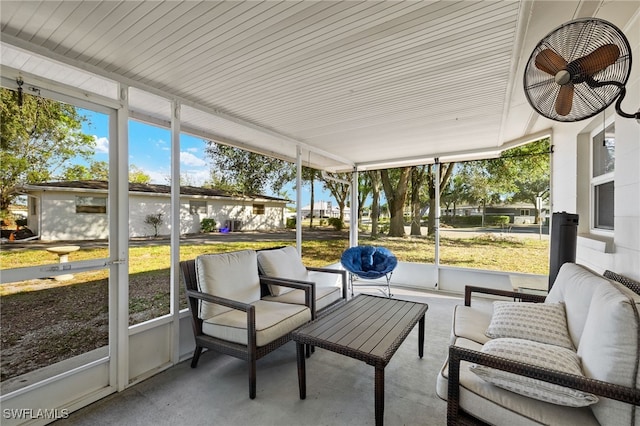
369 328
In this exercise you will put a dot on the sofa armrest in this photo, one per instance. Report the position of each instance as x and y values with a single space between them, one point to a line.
308 287
524 297
585 384
342 272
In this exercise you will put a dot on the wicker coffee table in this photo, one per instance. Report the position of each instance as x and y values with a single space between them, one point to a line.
368 328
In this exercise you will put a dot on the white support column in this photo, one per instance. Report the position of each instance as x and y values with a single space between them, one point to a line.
175 231
119 239
437 217
299 199
353 228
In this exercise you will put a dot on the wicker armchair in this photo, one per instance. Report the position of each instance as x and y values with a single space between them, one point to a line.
245 326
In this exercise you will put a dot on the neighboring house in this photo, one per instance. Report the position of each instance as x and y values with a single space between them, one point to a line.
77 210
521 213
325 209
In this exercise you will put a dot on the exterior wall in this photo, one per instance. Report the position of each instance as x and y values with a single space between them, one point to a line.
620 250
59 220
142 205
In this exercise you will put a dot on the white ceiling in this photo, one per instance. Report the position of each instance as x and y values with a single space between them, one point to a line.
371 83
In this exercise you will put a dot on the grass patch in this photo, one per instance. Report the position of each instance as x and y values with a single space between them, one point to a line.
46 321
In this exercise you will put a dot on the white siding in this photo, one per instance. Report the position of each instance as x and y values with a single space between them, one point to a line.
59 220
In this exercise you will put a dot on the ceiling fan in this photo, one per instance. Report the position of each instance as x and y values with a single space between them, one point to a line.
578 70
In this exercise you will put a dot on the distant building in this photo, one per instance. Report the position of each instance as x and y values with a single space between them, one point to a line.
77 210
325 209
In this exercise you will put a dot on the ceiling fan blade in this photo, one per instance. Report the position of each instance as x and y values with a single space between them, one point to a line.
599 59
550 62
564 101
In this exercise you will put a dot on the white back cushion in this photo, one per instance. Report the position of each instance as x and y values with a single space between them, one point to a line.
232 275
575 286
609 348
282 263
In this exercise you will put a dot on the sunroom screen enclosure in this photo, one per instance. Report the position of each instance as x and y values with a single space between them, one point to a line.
339 86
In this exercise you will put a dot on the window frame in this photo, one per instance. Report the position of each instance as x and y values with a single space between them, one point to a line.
198 207
91 208
258 209
596 182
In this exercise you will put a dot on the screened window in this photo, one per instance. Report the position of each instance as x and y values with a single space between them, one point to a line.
91 204
602 178
258 209
197 207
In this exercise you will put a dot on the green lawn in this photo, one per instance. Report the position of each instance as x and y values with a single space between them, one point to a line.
45 321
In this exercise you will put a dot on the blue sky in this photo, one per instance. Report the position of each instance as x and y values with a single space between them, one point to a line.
150 151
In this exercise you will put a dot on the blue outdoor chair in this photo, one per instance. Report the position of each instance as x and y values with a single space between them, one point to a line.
369 263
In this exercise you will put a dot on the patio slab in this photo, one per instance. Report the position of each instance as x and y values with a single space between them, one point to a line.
340 390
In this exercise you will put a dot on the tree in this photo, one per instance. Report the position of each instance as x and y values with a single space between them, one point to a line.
137 175
396 184
364 189
523 173
155 221
97 170
339 190
247 172
418 178
309 175
453 193
37 139
376 184
479 186
446 171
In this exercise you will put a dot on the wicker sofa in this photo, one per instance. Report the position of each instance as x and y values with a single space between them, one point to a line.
525 373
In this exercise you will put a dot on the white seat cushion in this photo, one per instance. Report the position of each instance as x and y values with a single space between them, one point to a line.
273 320
282 263
232 275
324 297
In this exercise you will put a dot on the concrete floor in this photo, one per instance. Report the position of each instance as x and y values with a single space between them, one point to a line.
340 390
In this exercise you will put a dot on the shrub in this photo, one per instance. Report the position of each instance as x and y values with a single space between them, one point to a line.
208 225
155 220
462 220
291 223
497 220
337 223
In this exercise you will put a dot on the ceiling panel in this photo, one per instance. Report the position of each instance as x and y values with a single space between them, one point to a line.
353 82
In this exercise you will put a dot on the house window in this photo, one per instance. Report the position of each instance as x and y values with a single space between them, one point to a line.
91 204
602 178
197 207
258 209
525 212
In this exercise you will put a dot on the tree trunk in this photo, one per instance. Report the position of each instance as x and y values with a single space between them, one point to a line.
446 170
375 203
396 198
312 201
416 182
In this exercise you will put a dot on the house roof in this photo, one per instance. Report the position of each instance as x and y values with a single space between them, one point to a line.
103 186
337 84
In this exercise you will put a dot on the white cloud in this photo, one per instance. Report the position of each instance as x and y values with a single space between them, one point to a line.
194 149
189 159
158 177
196 177
102 145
